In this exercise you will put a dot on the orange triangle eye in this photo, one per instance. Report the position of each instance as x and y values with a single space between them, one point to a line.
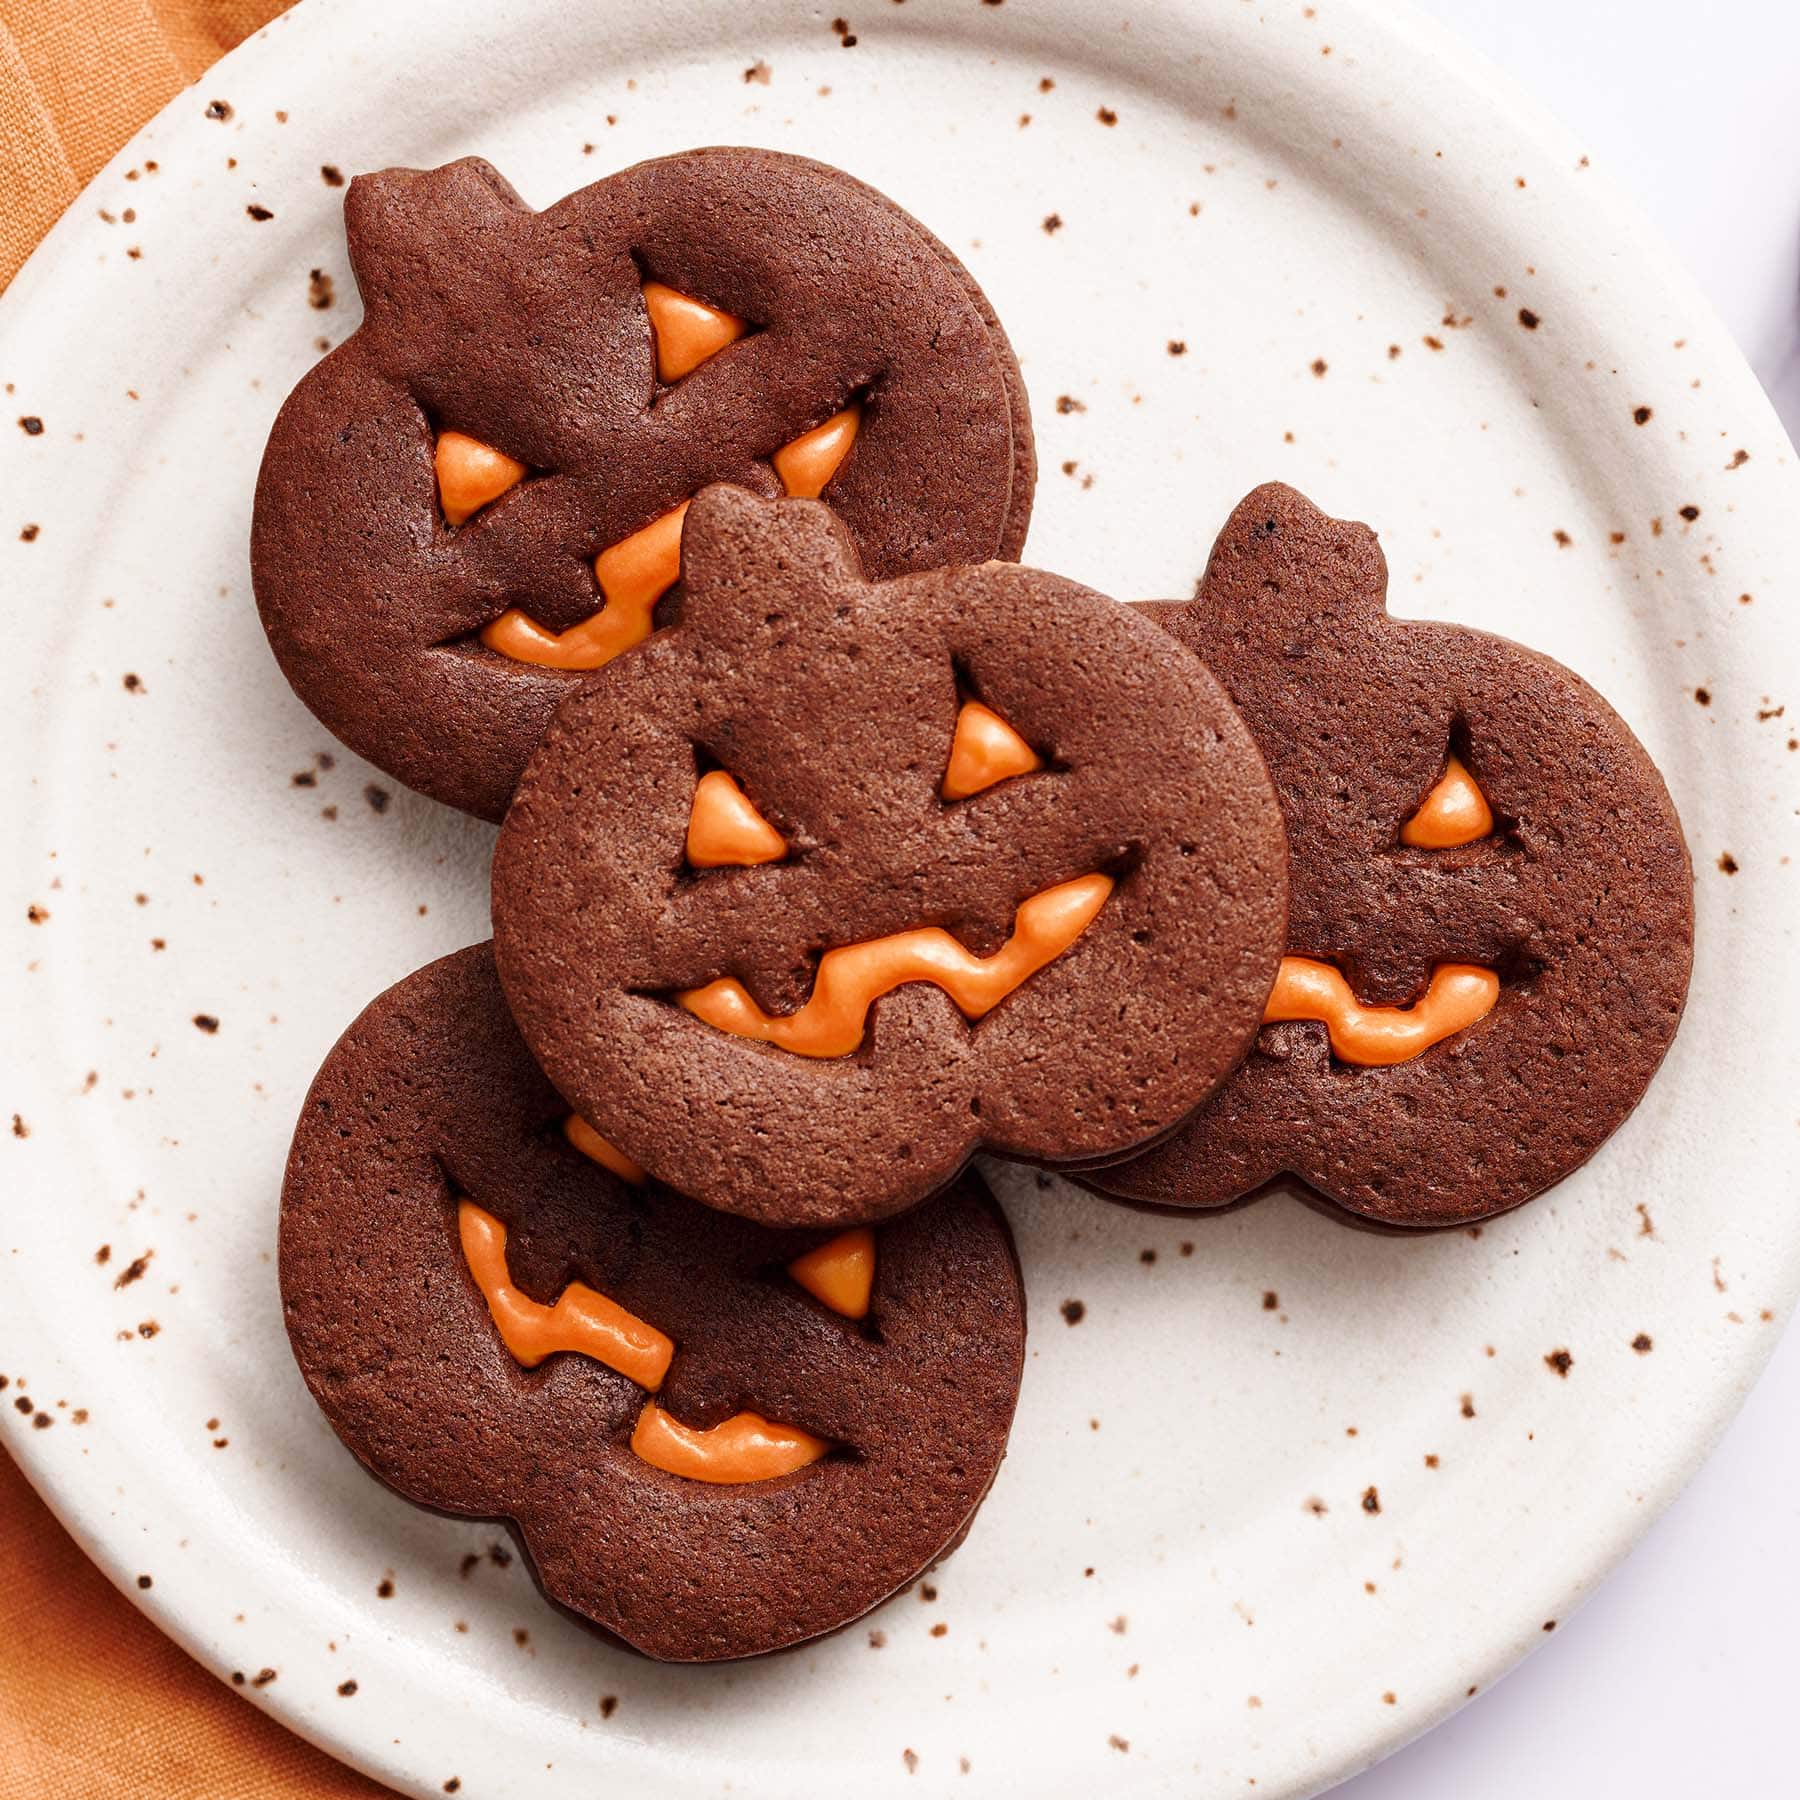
984 750
687 330
724 829
1454 812
841 1273
471 475
809 462
608 1155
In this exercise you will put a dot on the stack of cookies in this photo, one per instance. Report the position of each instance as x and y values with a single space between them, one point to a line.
676 529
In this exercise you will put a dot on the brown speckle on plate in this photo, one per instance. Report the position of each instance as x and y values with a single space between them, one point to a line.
134 1270
331 175
319 291
346 1689
28 534
1728 864
1561 1362
1641 415
1107 116
1319 366
262 1678
145 1582
910 1757
759 72
1052 225
19 1128
206 1022
1270 1300
219 110
1073 1311
1316 1506
1371 1500
1529 319
33 426
1118 1743
258 211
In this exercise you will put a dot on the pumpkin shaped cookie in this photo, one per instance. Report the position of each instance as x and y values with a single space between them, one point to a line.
711 1440
839 881
477 497
1492 907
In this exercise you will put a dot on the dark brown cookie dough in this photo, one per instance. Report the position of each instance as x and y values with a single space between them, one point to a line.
834 703
431 1098
1578 895
529 332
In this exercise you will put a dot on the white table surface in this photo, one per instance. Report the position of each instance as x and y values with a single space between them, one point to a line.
1677 1678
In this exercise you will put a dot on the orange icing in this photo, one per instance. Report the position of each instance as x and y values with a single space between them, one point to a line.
983 751
724 828
853 976
805 465
582 1320
1377 1036
1454 812
638 570
471 474
609 1156
687 330
840 1273
746 1447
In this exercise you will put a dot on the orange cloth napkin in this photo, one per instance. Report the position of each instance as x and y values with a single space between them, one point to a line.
95 1704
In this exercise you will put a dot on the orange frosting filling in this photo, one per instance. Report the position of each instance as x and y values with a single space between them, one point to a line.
687 330
638 570
1454 812
745 1447
984 750
804 466
1378 1036
471 474
582 1319
609 1156
725 829
852 977
840 1273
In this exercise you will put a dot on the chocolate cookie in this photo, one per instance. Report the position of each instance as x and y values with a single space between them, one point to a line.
1492 907
477 496
711 1440
837 882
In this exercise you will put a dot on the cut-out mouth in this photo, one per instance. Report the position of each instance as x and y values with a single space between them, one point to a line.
1457 996
638 570
743 1448
853 977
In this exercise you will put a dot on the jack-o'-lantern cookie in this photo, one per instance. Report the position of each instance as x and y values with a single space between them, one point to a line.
1492 907
478 496
711 1440
837 882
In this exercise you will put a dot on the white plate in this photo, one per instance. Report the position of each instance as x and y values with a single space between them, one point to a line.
1181 1583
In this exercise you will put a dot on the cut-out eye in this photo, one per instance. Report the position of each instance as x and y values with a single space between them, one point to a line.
593 1146
471 475
810 461
983 751
725 830
1455 812
687 331
840 1273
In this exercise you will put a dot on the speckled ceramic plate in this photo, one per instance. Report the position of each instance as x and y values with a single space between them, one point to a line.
1281 1493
